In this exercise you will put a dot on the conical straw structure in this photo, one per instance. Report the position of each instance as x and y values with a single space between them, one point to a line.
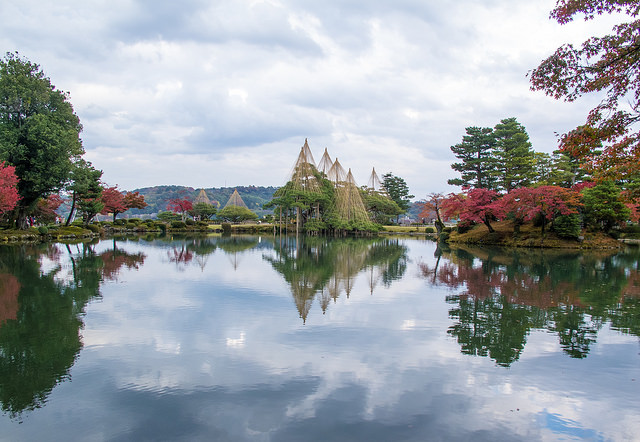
325 162
235 200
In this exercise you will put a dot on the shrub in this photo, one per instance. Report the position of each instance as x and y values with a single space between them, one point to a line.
119 222
190 222
429 229
178 225
202 224
226 228
631 228
43 230
567 226
94 228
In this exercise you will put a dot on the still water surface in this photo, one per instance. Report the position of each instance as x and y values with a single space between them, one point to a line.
273 339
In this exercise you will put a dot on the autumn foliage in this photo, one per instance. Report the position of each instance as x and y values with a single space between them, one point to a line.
180 205
474 206
610 65
546 202
8 188
523 204
115 202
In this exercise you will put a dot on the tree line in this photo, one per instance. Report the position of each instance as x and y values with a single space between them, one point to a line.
593 179
41 153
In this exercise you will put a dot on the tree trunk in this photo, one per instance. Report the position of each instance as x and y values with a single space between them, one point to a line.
73 208
488 224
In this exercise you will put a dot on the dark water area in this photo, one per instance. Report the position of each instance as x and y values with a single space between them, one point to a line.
283 339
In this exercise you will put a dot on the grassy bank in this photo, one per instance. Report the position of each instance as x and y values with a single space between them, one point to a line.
530 236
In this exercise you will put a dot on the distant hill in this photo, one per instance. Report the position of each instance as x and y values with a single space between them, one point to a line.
157 197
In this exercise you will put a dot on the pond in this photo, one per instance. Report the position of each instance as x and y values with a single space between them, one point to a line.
284 339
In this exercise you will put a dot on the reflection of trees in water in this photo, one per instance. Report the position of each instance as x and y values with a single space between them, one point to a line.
235 246
9 288
326 268
504 294
184 250
39 344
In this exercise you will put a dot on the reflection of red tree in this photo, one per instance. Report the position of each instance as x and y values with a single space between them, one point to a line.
479 285
518 288
632 288
528 290
9 289
180 256
114 260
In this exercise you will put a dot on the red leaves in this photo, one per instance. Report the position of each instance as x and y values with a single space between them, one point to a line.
113 201
477 206
608 140
116 202
526 203
8 188
133 200
566 9
179 205
523 204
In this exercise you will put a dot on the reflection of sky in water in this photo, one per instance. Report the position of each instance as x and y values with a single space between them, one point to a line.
181 351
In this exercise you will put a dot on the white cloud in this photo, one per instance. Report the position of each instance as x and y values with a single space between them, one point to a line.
198 85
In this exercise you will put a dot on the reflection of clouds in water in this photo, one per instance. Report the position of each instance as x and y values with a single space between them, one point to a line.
380 366
236 342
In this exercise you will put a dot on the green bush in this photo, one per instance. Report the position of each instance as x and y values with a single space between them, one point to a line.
94 228
178 225
43 230
202 224
631 228
119 222
567 226
226 228
190 222
429 229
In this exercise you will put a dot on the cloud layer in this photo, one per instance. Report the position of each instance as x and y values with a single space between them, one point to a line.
210 94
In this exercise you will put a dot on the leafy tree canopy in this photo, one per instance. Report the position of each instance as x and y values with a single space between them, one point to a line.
236 214
398 190
39 131
610 65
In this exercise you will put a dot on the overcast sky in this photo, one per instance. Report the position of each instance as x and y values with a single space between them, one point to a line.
224 93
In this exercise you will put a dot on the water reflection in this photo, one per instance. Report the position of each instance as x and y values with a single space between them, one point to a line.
504 294
44 292
323 268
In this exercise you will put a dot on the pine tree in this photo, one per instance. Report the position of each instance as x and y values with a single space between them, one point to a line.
514 157
477 162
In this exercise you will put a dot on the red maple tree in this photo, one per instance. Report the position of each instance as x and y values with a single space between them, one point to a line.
473 206
9 196
46 208
116 202
527 203
180 205
113 201
608 66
